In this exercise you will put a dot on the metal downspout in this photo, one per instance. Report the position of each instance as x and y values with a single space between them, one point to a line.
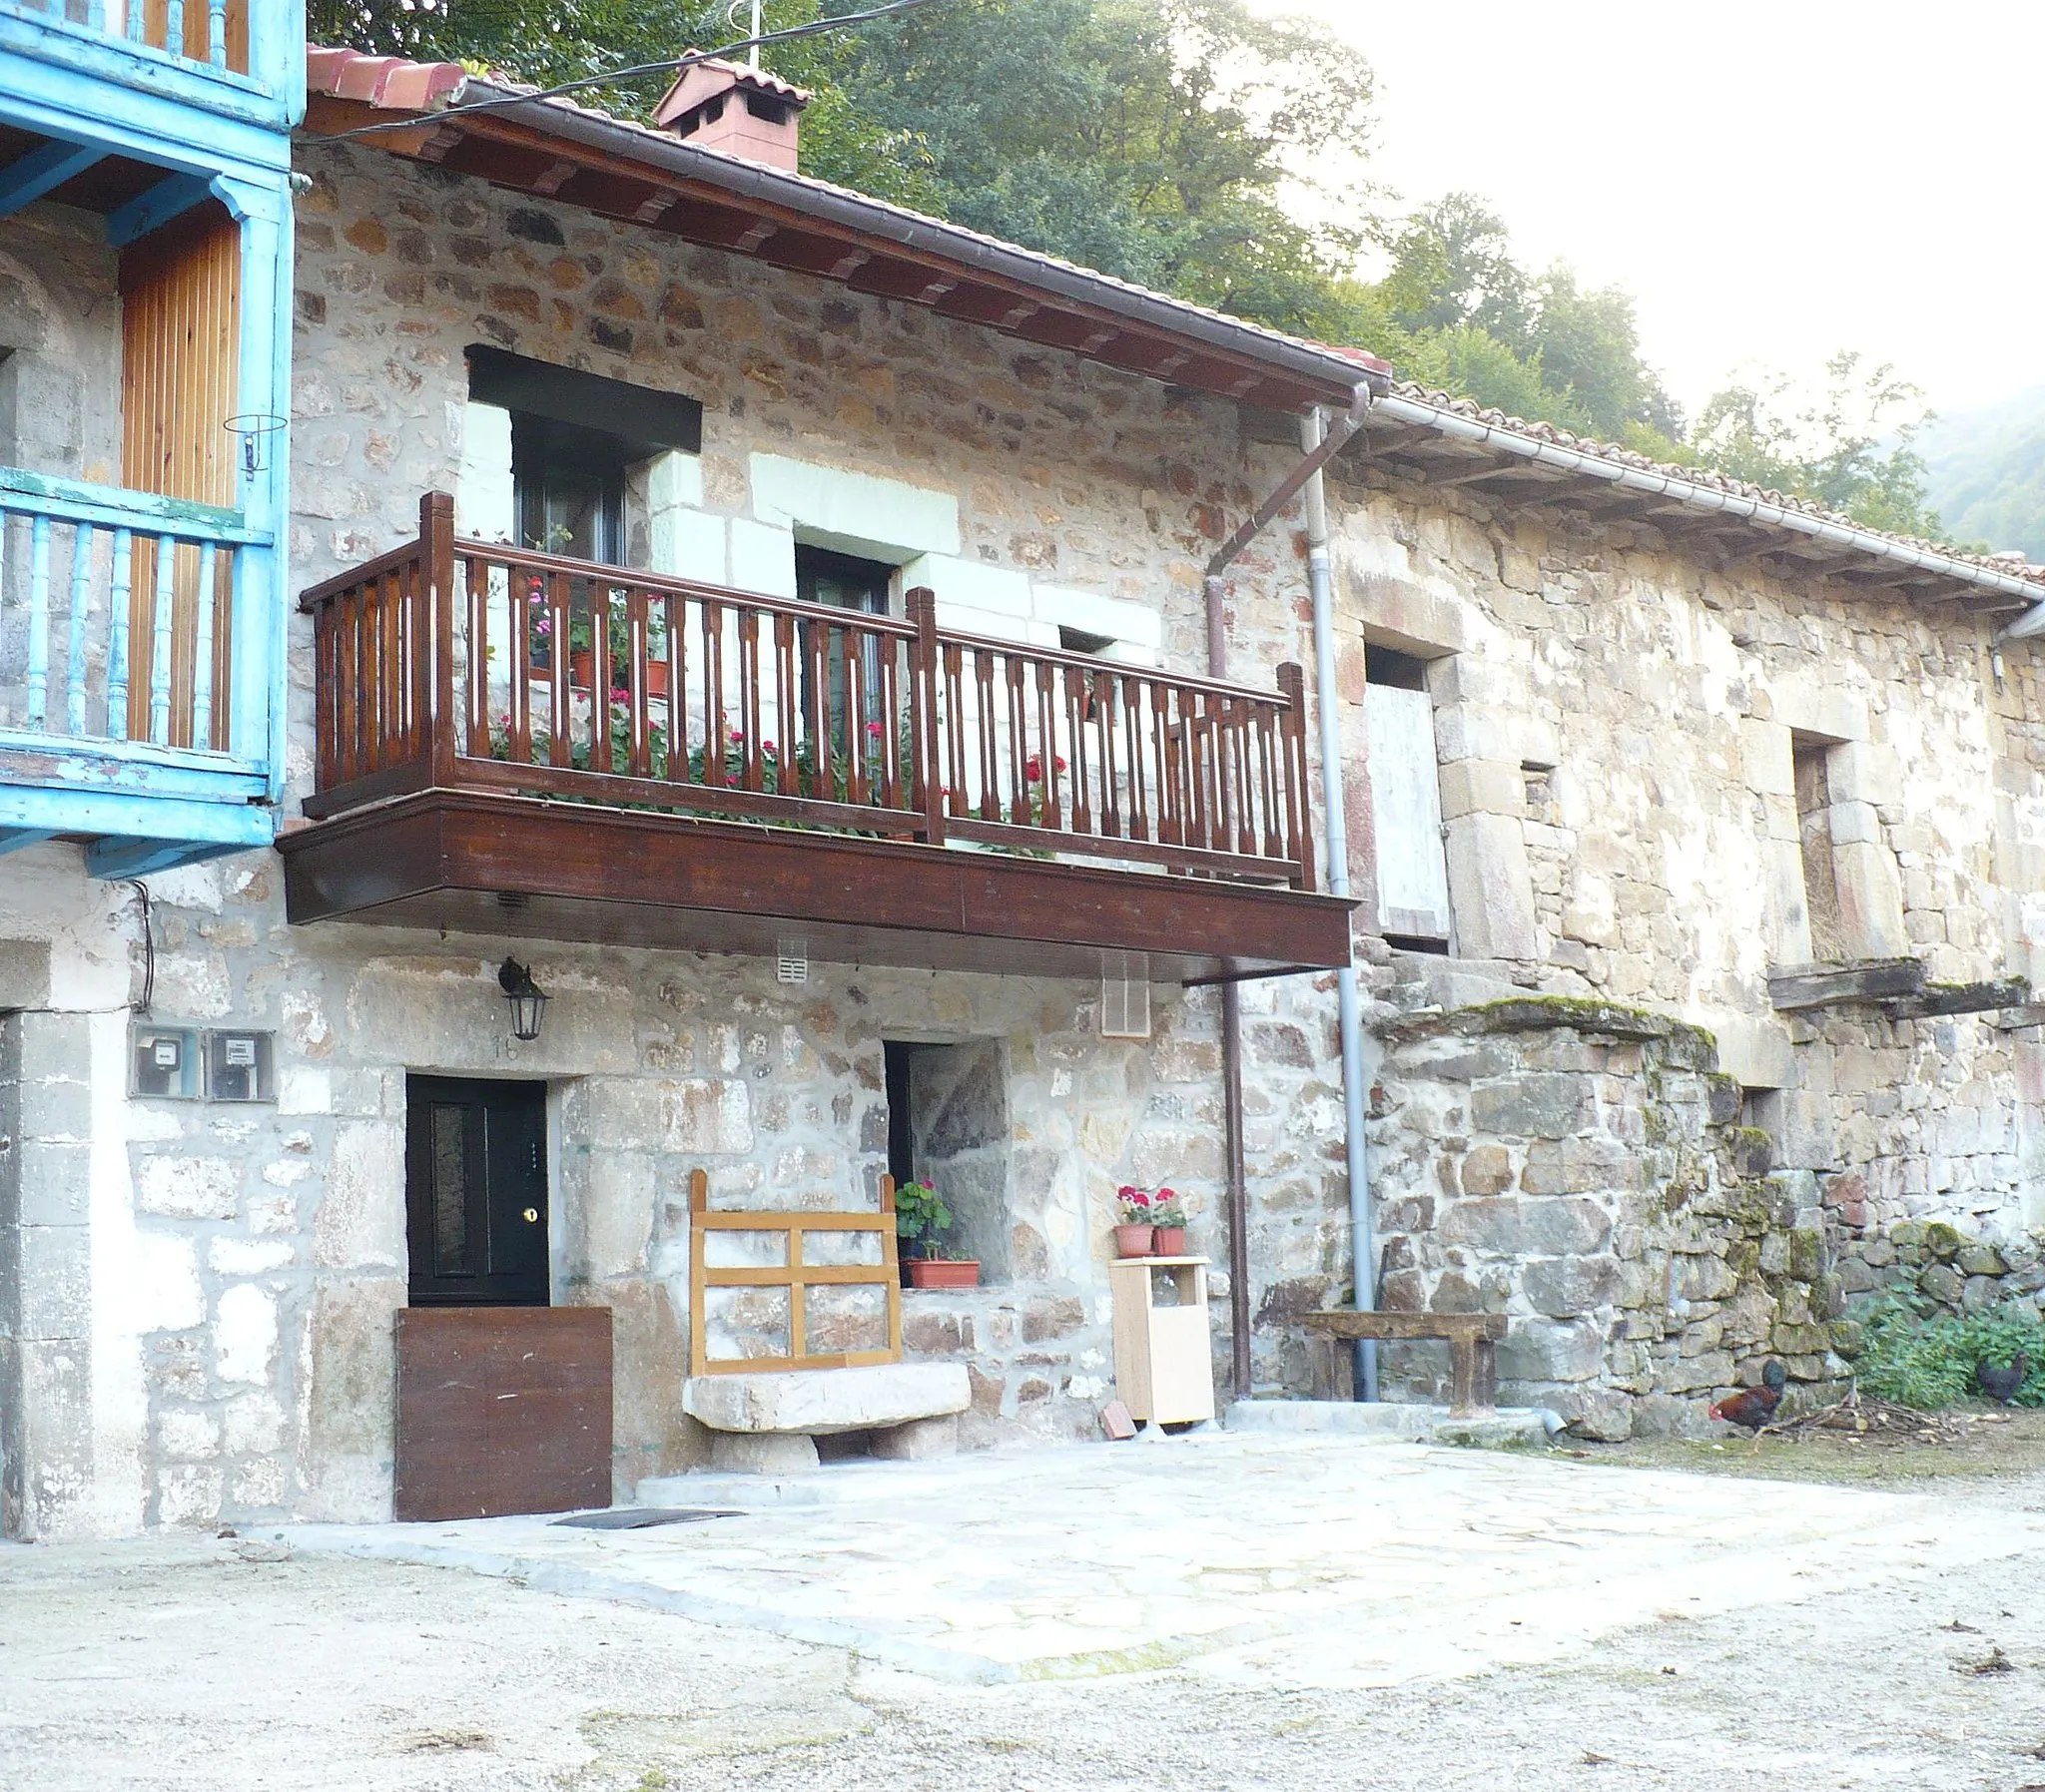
1362 1219
1232 1080
1306 474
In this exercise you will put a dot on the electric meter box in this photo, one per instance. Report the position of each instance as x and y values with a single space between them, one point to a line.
163 1062
238 1066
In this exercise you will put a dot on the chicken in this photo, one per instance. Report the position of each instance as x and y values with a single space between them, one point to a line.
1755 1407
2002 1383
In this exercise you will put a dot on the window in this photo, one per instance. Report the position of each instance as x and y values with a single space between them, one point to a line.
568 484
843 581
1812 759
1406 802
574 437
948 1120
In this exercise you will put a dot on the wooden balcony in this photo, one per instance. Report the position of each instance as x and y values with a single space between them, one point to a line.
514 743
135 674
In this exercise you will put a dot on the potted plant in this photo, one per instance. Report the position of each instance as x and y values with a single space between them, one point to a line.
1135 1232
920 1216
1169 1215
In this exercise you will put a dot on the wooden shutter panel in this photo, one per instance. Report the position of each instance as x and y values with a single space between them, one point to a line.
1406 809
180 343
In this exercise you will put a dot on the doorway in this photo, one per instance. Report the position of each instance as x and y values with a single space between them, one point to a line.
475 1183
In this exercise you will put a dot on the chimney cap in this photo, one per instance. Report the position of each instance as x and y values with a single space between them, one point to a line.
704 81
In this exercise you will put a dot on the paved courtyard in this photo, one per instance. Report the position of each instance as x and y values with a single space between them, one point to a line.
1235 1610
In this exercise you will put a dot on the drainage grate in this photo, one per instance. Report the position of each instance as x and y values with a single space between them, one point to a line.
645 1517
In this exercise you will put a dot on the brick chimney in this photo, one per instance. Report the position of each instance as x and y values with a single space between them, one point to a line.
744 112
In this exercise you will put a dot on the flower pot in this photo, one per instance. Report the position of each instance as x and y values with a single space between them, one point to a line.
1134 1241
581 667
656 678
944 1271
1171 1242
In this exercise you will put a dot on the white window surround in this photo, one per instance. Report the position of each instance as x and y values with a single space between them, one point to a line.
484 508
855 513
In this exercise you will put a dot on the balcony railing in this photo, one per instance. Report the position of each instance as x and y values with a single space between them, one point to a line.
116 617
214 33
458 664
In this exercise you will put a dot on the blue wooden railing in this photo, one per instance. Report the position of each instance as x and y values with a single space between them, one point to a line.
173 27
91 561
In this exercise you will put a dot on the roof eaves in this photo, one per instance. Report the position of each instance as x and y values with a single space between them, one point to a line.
1699 489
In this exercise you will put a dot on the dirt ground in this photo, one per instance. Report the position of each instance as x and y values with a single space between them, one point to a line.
236 1664
1983 1442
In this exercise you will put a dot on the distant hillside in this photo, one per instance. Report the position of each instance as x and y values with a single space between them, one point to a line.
1986 474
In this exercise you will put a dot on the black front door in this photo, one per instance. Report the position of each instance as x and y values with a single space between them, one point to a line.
476 1187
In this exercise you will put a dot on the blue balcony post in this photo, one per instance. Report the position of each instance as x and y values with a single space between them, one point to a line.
39 623
134 11
82 539
118 595
256 708
159 646
217 33
174 27
202 652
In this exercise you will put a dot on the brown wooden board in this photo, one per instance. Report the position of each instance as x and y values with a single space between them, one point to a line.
502 1410
510 865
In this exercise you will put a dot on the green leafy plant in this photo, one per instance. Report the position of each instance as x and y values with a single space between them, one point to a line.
921 1216
1926 1360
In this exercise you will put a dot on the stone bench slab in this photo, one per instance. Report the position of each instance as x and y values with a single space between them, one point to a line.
824 1401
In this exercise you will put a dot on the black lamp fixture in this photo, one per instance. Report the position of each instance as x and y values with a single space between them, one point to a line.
529 1001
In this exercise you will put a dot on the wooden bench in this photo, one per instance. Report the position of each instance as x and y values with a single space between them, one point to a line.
1473 1351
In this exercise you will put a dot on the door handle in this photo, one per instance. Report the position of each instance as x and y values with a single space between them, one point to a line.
533 1216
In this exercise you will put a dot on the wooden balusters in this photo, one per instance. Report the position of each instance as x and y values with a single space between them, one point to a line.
829 718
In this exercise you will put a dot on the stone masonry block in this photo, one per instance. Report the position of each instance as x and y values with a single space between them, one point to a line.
1537 1104
1540 1350
24 974
1866 771
1870 900
1563 1287
1482 786
1490 888
1539 1226
1765 759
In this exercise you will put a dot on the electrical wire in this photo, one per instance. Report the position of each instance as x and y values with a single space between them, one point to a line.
615 76
147 950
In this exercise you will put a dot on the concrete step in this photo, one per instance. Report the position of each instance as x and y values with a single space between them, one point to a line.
1393 1421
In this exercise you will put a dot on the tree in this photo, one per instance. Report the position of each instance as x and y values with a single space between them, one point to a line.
1850 448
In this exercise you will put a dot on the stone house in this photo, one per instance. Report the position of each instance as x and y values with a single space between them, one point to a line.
1695 839
1710 899
776 404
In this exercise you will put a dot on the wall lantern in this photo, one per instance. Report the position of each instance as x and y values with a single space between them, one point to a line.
529 1001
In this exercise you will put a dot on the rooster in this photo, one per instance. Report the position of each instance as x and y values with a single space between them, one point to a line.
2002 1383
1755 1407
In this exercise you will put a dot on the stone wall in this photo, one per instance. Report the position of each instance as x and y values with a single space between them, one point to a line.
1618 715
246 1260
1580 1167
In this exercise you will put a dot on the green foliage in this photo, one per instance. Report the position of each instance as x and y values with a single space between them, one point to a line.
1852 448
1986 474
921 1216
1928 1362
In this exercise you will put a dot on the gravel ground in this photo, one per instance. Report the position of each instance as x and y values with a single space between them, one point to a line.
224 1665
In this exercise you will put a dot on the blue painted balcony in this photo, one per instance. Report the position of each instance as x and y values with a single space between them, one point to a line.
242 60
137 704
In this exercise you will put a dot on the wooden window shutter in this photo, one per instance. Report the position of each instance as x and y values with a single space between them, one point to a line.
180 344
1406 812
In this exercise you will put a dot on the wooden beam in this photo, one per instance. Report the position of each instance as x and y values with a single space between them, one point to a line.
556 174
994 306
886 277
1864 980
155 207
1963 998
42 171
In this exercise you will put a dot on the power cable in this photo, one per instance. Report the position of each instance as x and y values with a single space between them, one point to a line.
615 76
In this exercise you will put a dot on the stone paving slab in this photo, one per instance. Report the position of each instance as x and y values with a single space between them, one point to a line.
1308 1561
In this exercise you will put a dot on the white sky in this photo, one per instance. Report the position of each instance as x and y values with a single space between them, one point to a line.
1771 182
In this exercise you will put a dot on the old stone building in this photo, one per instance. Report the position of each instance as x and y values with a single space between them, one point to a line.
1612 769
1678 755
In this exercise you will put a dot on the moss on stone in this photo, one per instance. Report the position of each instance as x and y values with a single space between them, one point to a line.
1806 1254
1942 1241
1537 1013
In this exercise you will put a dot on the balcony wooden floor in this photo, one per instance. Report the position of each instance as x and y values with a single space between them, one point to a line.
516 744
494 864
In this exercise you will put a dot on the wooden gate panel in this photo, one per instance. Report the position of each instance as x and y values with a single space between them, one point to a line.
502 1410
